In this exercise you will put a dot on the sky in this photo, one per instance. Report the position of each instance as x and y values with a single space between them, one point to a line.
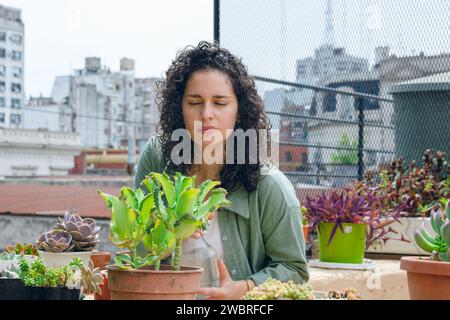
59 34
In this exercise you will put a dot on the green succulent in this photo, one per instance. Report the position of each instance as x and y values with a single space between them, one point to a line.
273 289
37 274
160 220
439 244
7 256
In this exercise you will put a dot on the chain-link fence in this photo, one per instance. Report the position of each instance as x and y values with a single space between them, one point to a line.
348 84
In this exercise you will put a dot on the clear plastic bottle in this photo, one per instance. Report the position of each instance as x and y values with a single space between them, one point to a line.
197 252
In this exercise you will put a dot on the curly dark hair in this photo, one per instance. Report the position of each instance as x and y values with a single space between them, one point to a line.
251 113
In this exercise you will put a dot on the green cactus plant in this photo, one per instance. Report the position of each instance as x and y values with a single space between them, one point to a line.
438 245
161 219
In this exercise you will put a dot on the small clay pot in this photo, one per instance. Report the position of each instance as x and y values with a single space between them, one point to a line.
306 233
101 259
104 286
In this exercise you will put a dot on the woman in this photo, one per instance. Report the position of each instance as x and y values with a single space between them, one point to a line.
209 93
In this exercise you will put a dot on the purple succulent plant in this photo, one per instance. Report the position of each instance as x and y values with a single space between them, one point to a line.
347 206
55 241
84 232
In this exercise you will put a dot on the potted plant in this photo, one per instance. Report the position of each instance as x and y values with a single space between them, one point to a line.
345 161
158 221
305 223
25 250
429 278
273 289
7 260
71 237
347 223
414 190
33 280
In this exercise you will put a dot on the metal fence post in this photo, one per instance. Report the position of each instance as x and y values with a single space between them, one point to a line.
360 138
217 21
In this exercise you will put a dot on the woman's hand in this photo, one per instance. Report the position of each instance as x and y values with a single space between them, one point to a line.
228 290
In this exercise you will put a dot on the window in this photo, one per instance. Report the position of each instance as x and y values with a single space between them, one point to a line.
346 112
2 70
2 117
15 119
16 55
15 103
17 72
16 38
288 156
2 86
2 53
15 87
2 36
2 102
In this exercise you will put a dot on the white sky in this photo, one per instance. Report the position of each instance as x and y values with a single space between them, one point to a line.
60 33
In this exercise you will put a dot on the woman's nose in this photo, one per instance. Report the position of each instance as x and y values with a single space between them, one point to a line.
208 112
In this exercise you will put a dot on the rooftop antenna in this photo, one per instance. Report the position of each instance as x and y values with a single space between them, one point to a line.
283 39
329 28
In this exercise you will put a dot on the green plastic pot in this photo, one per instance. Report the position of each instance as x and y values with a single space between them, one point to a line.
347 247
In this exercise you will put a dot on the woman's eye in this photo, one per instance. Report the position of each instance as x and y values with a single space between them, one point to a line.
194 103
221 103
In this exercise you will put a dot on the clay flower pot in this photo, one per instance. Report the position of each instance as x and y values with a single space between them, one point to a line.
149 284
306 233
101 259
427 279
104 286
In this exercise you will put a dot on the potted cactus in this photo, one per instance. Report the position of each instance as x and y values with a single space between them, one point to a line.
71 237
158 222
429 278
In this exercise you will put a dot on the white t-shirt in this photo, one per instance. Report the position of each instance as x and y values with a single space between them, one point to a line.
212 238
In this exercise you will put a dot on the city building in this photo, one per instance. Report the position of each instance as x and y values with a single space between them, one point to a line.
109 109
37 153
11 67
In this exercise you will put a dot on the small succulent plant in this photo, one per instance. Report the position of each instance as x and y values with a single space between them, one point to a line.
7 256
91 278
346 294
22 249
439 244
55 241
72 233
273 289
84 232
37 274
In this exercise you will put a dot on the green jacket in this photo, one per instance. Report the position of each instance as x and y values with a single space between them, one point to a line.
261 231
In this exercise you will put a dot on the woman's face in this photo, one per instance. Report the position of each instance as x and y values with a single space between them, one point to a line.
209 107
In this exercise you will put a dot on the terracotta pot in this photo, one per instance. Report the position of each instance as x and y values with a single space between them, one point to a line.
306 233
149 284
101 259
427 279
104 286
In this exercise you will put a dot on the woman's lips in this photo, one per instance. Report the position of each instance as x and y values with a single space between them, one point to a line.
207 128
